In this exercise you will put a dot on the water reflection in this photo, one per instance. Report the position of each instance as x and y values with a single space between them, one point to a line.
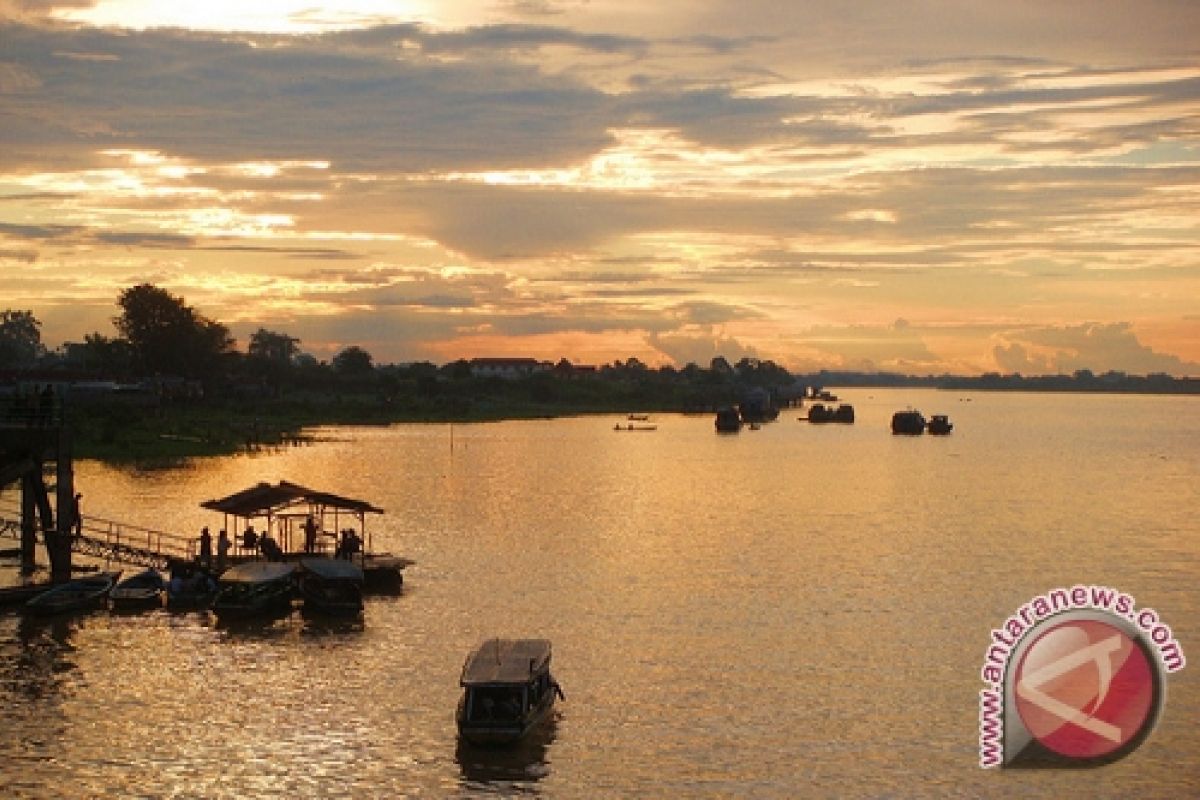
34 664
319 625
516 767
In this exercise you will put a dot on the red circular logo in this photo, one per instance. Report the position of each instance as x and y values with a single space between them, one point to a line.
1084 689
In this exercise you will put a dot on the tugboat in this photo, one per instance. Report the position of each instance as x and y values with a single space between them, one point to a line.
908 423
940 425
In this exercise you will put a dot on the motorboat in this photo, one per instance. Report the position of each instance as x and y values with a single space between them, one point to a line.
78 594
728 420
192 591
909 423
254 588
507 690
939 425
140 590
330 585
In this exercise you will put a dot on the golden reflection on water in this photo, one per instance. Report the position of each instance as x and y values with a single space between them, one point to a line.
800 610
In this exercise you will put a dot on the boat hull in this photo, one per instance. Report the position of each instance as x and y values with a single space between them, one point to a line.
81 594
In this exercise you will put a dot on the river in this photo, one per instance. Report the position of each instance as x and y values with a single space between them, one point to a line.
797 611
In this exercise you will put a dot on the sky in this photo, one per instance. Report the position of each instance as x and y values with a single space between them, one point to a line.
916 186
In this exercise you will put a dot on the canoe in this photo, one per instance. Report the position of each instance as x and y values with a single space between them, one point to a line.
78 594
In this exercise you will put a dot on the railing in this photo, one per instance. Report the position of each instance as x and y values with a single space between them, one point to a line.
116 541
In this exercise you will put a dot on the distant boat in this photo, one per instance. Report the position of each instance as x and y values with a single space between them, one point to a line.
330 585
75 595
909 423
507 690
141 590
638 417
940 425
254 588
728 420
629 426
820 413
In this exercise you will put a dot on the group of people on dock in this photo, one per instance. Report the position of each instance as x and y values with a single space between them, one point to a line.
348 545
224 543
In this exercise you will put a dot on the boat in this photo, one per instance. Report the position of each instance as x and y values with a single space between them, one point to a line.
939 425
78 594
728 420
909 423
758 406
629 426
141 590
330 585
507 690
254 588
191 591
820 413
638 417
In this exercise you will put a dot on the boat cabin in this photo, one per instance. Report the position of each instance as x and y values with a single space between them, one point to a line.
507 690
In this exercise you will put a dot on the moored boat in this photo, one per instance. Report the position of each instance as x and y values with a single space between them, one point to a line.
909 423
141 590
330 585
728 420
191 591
507 690
254 588
78 594
940 425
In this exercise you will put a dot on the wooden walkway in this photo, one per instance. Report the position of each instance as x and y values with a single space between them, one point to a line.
115 541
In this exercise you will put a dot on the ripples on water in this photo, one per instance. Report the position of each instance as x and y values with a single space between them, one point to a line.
799 611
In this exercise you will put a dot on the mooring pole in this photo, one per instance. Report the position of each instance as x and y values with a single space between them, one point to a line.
28 525
65 502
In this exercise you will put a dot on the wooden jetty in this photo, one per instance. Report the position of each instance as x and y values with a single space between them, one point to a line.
301 522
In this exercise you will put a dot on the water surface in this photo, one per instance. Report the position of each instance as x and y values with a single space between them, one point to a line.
796 611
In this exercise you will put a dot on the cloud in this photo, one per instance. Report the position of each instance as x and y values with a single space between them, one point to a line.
1095 346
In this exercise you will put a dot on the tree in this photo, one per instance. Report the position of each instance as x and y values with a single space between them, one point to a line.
168 336
20 339
275 348
98 353
353 361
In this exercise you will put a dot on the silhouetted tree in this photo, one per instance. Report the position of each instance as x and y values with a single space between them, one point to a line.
98 353
20 339
353 362
275 348
168 336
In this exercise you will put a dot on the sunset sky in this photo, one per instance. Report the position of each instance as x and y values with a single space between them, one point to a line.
924 187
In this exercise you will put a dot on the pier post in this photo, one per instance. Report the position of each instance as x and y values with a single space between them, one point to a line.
65 502
28 526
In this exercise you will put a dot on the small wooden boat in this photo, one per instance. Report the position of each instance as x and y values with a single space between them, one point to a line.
191 592
507 690
330 585
908 423
254 588
940 425
75 595
142 590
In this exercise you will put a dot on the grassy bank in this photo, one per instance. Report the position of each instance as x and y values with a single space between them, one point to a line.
168 433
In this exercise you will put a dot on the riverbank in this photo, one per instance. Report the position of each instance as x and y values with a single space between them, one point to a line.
175 431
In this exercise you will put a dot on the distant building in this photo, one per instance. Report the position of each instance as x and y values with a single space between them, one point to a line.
507 368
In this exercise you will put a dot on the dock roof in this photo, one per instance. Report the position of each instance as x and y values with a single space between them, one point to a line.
264 499
511 661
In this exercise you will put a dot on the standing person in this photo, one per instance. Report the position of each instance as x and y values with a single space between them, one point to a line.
77 514
223 545
310 534
205 548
